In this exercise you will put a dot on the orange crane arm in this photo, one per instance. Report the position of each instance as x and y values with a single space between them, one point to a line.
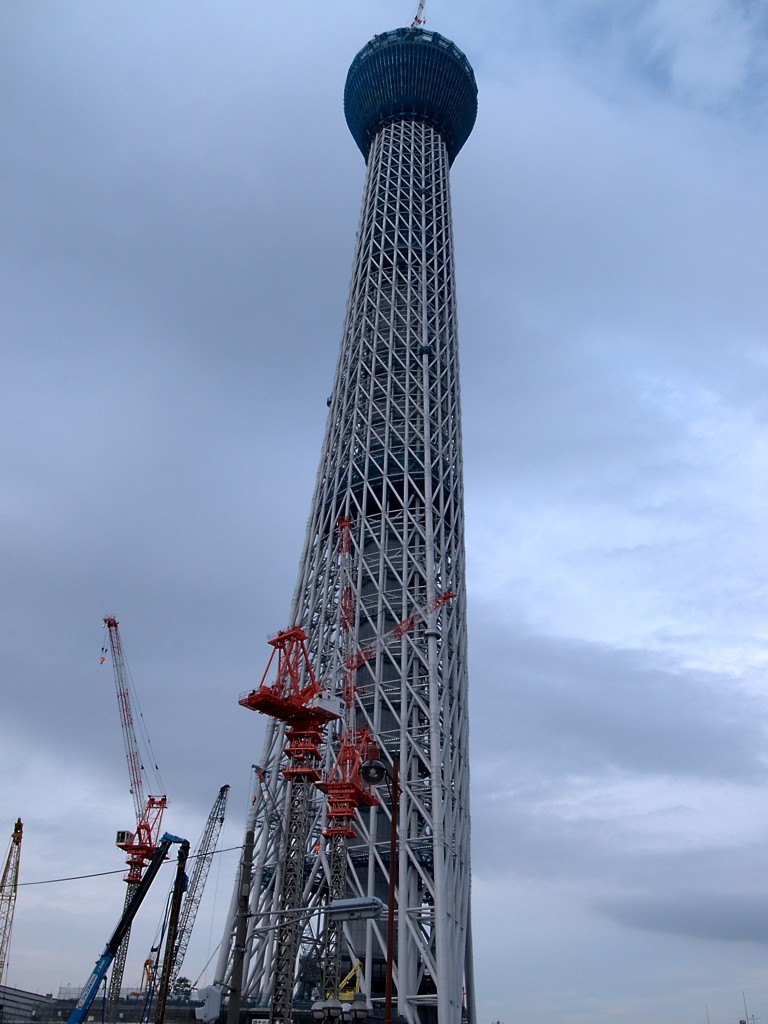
354 661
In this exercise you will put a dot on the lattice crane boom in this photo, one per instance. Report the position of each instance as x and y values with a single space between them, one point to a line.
418 18
142 843
8 888
132 756
354 661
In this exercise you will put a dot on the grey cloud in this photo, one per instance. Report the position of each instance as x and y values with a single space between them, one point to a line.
696 915
570 706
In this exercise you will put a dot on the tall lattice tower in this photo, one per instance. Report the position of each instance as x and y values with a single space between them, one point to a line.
391 469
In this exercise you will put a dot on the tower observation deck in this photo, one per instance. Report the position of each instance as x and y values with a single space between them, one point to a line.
409 73
391 466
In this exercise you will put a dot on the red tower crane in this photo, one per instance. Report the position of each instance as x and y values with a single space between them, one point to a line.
8 887
141 843
300 707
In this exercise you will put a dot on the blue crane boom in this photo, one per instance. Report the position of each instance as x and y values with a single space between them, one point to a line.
98 974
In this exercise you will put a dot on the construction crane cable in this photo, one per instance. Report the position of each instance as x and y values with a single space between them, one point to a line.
196 982
215 904
151 770
149 766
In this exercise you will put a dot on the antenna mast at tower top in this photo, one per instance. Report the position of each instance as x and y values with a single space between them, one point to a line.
418 18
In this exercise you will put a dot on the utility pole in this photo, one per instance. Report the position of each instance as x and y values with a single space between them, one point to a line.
241 928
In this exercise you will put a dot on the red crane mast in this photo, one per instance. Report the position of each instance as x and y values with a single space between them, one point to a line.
299 706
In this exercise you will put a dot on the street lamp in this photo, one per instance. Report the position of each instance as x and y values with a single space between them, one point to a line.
374 772
327 1009
334 1010
358 1009
356 909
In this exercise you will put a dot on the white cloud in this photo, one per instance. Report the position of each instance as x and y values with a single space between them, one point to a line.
707 47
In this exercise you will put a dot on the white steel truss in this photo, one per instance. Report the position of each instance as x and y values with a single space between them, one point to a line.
391 462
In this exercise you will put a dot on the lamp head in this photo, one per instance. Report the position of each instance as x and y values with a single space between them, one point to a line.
373 773
359 1008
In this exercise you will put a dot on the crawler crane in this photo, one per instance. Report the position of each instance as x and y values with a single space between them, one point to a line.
140 845
203 857
99 972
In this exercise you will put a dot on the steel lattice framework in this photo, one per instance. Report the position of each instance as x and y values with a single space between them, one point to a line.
391 463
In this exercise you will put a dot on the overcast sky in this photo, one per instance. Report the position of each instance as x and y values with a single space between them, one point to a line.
179 201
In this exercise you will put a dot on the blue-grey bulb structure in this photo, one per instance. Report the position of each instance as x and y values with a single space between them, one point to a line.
411 73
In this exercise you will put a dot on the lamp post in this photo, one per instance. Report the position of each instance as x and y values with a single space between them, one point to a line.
374 772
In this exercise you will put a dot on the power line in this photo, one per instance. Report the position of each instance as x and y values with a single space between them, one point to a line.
101 874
